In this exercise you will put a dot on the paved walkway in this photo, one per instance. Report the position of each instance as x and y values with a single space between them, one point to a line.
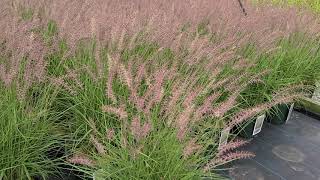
283 152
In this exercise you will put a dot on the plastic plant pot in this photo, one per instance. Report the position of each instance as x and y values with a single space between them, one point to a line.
280 114
309 106
251 128
246 129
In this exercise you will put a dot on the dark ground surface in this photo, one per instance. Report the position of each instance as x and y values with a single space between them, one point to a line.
283 152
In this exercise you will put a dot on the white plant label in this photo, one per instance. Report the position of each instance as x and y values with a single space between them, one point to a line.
290 112
258 125
224 137
316 93
98 175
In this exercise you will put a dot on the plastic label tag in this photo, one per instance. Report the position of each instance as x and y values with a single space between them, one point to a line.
290 112
224 137
98 175
316 93
258 125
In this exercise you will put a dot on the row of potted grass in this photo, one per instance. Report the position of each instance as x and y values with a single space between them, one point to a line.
289 63
302 66
128 111
278 115
78 98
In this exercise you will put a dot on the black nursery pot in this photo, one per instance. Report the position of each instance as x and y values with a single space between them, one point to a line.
64 171
279 114
247 129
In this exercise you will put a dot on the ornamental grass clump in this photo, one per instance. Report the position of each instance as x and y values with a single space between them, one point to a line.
142 113
294 61
159 117
28 134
